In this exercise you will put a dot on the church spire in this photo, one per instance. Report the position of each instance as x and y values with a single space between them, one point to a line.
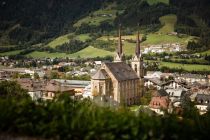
119 57
119 49
138 61
138 44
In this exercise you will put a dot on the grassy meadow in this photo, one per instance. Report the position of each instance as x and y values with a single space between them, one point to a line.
187 67
168 22
89 52
151 2
66 38
59 41
10 53
205 53
97 17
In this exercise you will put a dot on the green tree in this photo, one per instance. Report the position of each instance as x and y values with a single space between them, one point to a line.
25 76
11 89
54 75
36 76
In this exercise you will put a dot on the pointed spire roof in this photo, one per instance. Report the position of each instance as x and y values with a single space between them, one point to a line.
119 49
138 47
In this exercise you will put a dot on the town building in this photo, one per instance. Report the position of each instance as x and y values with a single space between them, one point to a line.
160 102
191 78
202 102
119 82
35 88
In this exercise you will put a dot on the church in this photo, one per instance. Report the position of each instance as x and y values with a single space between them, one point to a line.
117 80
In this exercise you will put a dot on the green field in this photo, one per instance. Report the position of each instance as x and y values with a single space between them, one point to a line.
83 37
10 53
98 16
205 53
59 41
197 60
66 38
168 22
187 67
7 46
37 54
129 48
151 2
155 39
89 52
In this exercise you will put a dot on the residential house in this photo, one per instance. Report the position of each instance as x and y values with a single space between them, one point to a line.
191 78
77 85
160 101
156 83
35 88
175 95
202 102
52 88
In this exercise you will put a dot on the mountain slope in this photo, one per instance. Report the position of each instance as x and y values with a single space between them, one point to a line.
40 19
49 22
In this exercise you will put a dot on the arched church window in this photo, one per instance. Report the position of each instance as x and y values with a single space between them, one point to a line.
135 67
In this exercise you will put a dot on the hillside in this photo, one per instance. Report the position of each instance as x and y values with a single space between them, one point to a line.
39 20
52 25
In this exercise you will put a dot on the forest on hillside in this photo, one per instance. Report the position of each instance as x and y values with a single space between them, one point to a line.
33 22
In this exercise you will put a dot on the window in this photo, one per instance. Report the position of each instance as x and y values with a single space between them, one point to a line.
135 67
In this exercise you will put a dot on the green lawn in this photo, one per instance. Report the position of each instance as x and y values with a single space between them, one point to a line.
89 52
187 67
134 108
10 53
83 37
65 39
129 48
98 16
169 22
206 53
37 54
200 61
7 46
154 39
59 41
151 2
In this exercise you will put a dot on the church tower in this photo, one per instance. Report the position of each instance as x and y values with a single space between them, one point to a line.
119 56
137 60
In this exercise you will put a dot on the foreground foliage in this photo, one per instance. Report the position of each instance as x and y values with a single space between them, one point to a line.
64 118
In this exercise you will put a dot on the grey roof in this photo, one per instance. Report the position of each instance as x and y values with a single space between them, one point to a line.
158 82
161 93
121 71
176 92
73 82
203 99
101 75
